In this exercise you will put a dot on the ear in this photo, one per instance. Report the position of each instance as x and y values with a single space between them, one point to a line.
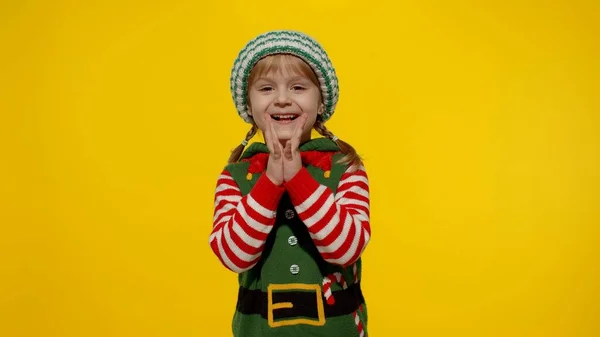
249 111
321 109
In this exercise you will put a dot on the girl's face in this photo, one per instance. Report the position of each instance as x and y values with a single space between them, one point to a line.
284 93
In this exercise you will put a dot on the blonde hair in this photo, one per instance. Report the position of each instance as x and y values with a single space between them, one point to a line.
294 65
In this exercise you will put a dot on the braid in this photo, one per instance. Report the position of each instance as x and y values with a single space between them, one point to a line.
351 157
237 152
322 130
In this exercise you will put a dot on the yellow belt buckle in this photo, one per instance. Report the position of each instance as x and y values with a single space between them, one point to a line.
284 305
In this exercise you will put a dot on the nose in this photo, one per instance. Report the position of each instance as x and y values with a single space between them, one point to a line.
282 99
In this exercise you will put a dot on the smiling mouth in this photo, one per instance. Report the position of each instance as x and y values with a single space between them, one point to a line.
284 117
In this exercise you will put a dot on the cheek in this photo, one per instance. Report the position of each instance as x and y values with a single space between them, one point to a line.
310 122
258 103
259 119
258 111
310 103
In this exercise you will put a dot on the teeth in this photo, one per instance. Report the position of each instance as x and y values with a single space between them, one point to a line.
286 116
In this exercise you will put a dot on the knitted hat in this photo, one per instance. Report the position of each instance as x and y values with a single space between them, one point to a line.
284 42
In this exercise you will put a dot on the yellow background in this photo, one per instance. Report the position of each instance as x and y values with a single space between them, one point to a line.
478 122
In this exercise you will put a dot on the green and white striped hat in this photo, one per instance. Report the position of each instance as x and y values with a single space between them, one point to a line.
284 42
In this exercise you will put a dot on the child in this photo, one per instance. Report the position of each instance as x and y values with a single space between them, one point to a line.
292 214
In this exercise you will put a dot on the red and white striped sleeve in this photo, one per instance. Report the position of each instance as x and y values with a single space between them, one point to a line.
338 224
241 224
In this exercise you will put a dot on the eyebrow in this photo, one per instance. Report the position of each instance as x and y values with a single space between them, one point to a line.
295 78
300 77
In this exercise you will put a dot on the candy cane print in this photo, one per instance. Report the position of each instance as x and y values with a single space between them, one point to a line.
355 272
327 280
327 290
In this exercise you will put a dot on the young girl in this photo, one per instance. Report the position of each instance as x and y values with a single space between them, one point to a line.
292 214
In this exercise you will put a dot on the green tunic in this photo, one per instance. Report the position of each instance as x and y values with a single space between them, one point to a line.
282 295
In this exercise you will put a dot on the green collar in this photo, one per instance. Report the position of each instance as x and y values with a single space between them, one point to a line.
316 144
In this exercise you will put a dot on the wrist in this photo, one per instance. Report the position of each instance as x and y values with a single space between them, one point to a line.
301 186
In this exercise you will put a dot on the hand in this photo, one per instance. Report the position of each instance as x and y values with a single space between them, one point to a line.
292 162
275 163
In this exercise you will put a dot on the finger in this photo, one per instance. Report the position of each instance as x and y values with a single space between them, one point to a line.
275 143
297 135
267 132
278 150
274 136
273 139
287 151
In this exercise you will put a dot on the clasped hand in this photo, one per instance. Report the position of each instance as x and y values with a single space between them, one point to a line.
284 162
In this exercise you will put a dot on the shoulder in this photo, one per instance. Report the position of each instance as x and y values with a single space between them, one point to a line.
355 169
355 175
235 166
245 172
225 181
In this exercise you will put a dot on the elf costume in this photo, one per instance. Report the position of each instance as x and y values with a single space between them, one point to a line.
296 247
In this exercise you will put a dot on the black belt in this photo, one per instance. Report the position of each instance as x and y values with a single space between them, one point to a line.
288 301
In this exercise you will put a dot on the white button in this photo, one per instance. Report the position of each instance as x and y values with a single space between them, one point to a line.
292 240
289 214
294 269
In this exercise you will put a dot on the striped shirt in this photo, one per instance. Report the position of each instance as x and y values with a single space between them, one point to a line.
338 223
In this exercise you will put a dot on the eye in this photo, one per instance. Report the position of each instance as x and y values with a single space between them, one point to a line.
265 89
298 87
